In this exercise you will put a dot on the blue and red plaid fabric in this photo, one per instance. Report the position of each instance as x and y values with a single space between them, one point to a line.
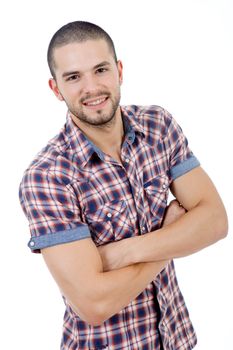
72 190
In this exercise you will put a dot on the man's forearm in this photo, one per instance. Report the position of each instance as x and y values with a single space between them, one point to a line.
122 286
120 254
197 229
114 290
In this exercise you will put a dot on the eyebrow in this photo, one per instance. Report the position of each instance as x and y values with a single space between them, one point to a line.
104 63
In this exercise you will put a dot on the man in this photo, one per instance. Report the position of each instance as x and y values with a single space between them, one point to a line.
96 197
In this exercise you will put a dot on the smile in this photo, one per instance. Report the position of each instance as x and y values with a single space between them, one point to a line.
97 102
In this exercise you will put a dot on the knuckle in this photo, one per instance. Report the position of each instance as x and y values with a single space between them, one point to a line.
174 204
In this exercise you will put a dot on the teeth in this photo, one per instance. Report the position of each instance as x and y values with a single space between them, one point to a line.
96 102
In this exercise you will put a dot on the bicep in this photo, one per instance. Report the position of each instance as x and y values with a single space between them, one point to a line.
74 266
193 188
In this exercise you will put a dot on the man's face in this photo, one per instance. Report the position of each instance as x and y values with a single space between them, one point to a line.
88 79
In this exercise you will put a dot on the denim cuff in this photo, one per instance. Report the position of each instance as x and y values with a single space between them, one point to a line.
38 242
184 167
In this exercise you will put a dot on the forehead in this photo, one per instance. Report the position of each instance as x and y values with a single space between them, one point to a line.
82 56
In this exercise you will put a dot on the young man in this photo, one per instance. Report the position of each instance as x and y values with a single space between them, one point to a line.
96 197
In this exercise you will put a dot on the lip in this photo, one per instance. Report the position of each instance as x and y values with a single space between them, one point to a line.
97 106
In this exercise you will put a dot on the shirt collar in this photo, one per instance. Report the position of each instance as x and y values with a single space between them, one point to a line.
85 149
79 143
130 120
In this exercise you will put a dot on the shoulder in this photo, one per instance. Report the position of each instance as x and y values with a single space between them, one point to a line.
52 164
155 120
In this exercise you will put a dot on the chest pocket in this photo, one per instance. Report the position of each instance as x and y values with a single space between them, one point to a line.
156 192
110 222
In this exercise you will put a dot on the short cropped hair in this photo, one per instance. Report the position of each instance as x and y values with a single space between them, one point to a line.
78 31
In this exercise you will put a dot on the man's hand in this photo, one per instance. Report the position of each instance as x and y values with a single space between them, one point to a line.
173 212
111 253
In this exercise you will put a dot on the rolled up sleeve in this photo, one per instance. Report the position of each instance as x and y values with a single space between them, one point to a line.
52 210
181 158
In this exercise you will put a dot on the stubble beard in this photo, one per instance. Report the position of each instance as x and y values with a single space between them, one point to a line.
101 118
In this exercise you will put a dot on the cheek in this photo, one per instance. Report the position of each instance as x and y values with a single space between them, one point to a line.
71 95
114 86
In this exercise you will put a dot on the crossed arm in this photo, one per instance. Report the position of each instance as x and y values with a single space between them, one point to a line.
100 282
204 223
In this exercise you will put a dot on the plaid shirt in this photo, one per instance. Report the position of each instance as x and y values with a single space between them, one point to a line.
72 190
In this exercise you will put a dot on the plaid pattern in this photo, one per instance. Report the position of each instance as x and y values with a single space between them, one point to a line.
72 190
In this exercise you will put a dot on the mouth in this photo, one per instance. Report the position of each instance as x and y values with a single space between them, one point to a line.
95 103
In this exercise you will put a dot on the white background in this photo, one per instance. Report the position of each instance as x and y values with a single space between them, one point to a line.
177 54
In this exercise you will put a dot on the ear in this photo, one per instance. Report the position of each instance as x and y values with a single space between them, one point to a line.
120 71
53 86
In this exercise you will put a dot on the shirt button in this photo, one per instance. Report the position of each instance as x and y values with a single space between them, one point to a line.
32 243
164 186
143 229
127 160
109 215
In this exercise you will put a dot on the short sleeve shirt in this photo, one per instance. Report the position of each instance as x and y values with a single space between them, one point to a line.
72 190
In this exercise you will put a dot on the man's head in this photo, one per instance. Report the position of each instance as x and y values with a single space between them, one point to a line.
86 73
78 32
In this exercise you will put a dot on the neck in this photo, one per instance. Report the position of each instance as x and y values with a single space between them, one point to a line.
107 137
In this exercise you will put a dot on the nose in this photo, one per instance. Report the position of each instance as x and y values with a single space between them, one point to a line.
90 84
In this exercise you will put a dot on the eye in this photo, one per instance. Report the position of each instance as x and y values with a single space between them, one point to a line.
101 70
73 77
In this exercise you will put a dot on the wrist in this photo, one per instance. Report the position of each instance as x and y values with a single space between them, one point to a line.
126 252
132 250
144 248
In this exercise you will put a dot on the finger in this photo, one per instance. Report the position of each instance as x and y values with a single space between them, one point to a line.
177 205
174 204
